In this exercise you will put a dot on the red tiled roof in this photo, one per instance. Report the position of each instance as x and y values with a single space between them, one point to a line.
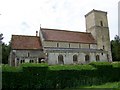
67 36
26 42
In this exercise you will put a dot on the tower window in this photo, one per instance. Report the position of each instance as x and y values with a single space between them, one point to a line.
103 47
101 23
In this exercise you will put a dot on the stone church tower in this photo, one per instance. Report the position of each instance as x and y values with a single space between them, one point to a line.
97 25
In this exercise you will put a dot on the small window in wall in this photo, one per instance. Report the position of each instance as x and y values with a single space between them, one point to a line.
31 61
17 61
57 44
75 58
87 58
69 45
101 53
89 45
22 61
39 60
103 47
97 58
28 54
60 59
79 45
101 23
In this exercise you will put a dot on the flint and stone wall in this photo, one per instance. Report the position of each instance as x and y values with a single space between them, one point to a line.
68 57
17 55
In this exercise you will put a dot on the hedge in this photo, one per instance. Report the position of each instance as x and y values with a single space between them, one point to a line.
59 76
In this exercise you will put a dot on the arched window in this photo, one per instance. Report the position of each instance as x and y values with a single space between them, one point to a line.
22 61
97 58
17 61
60 59
87 58
75 58
101 23
31 61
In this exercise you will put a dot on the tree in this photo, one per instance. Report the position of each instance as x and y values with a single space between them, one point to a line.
115 47
4 50
1 37
5 53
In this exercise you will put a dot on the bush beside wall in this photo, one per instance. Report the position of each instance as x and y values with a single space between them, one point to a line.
59 76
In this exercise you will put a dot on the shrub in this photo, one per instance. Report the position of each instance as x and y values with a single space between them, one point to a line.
101 64
30 75
34 65
7 68
116 64
71 67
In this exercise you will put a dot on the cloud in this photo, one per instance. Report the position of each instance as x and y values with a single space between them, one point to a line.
24 26
25 16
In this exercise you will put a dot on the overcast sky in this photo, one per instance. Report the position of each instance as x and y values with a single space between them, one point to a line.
23 17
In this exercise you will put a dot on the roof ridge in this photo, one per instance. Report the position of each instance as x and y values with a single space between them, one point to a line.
65 30
25 35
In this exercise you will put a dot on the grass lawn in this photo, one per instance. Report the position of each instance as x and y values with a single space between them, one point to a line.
106 85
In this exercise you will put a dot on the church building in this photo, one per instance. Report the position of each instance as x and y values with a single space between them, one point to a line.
55 46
